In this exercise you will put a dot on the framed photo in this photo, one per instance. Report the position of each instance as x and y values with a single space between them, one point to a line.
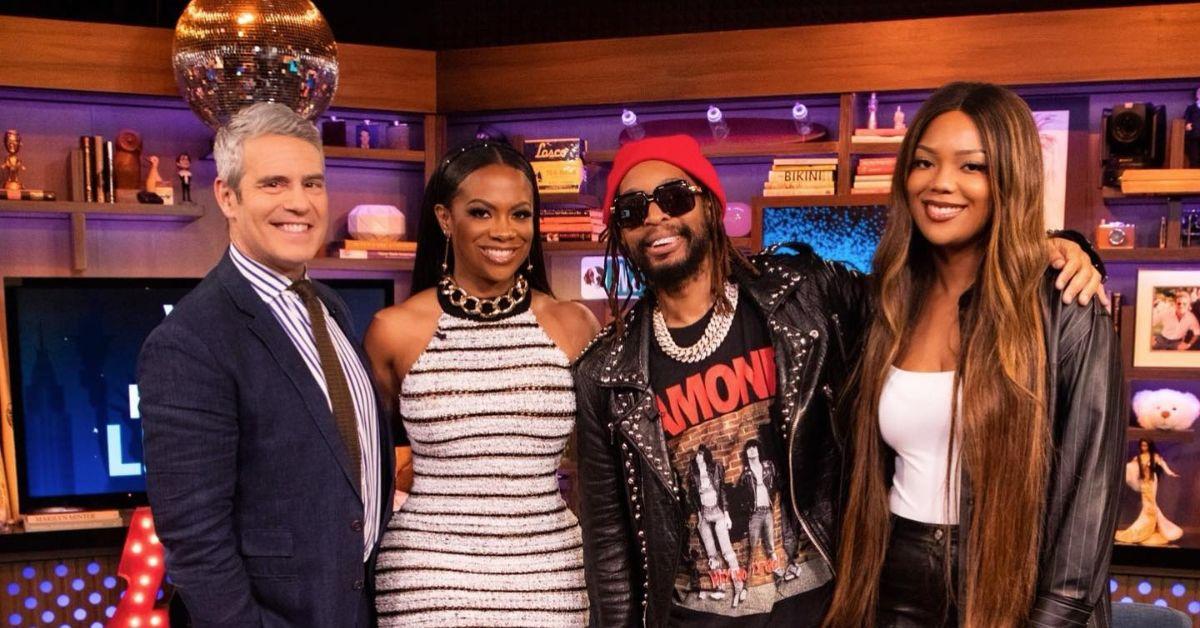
1053 128
1167 329
367 135
595 274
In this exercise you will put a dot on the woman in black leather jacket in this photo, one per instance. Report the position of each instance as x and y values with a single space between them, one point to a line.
985 425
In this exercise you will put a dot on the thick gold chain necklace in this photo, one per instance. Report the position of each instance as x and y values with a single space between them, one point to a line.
484 308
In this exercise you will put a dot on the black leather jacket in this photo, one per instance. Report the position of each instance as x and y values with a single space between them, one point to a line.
1084 392
747 481
632 509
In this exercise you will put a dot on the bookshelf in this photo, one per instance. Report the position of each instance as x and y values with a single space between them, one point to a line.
374 154
1113 196
722 150
819 200
79 213
1135 433
1147 255
874 148
182 212
558 199
362 265
748 244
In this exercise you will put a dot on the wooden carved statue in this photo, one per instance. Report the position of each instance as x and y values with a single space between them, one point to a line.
127 160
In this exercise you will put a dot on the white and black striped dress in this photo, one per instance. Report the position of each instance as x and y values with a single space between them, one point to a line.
485 538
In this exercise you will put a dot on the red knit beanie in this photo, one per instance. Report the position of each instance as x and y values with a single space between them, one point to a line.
679 150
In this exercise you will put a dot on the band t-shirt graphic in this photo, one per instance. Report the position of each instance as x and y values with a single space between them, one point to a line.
742 555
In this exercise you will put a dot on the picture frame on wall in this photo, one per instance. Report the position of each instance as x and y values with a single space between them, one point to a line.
1167 325
1054 131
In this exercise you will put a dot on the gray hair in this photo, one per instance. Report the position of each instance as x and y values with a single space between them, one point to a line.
263 118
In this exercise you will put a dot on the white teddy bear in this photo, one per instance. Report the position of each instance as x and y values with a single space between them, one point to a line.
1165 409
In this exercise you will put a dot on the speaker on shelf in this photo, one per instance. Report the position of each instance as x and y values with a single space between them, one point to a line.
1135 136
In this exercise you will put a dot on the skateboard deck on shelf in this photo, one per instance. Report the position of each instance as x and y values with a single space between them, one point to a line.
741 131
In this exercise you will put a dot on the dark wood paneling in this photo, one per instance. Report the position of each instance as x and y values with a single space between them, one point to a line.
57 54
1146 42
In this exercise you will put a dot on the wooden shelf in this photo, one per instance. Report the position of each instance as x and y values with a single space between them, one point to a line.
768 149
1147 255
568 199
597 248
79 213
874 148
1113 196
375 154
185 212
18 541
827 200
1160 372
1134 433
364 265
741 149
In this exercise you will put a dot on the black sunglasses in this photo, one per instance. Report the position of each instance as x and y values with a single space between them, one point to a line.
674 198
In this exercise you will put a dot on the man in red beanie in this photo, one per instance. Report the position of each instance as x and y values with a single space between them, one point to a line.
707 457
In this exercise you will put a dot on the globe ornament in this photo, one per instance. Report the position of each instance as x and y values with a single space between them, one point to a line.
231 54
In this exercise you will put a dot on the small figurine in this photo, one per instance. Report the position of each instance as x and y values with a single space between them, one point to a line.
898 119
12 164
184 163
872 107
1191 132
127 164
1142 474
153 179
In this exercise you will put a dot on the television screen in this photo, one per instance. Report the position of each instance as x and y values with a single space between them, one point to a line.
73 347
838 234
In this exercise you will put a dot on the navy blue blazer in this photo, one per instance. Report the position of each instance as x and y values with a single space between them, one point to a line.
251 488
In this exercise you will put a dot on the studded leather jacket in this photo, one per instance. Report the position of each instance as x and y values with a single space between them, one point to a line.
633 509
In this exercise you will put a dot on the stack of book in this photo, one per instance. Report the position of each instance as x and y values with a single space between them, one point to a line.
1160 181
374 249
92 171
571 224
873 175
557 163
877 136
801 177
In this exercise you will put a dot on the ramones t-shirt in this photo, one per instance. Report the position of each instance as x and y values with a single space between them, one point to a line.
744 554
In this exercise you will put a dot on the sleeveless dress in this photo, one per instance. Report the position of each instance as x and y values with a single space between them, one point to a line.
485 538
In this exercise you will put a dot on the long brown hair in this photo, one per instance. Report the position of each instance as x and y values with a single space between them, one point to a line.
722 257
1001 366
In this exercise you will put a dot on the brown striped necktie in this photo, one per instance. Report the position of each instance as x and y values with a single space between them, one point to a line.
335 377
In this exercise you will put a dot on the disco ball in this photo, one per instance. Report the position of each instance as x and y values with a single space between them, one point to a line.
229 54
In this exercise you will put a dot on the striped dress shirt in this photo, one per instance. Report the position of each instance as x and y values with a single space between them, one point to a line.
289 310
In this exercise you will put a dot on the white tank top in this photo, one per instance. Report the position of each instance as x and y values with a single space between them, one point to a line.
914 420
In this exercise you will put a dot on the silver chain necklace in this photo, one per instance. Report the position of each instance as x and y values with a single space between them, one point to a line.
714 332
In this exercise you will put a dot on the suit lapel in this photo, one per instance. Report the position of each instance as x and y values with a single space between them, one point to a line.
262 323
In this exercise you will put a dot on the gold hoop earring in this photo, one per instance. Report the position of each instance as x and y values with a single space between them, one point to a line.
446 257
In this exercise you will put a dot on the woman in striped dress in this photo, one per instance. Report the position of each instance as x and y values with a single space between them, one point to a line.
475 364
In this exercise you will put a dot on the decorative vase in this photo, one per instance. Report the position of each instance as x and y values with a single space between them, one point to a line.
376 223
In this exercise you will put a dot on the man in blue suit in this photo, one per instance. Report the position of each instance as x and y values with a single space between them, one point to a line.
268 463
